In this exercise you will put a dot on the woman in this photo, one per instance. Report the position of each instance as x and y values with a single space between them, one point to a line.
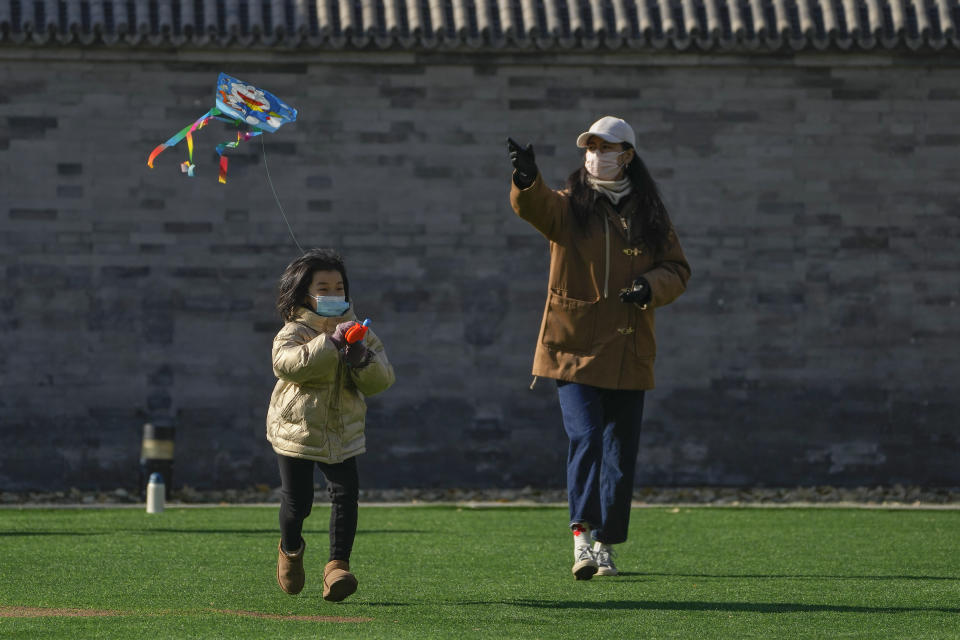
614 258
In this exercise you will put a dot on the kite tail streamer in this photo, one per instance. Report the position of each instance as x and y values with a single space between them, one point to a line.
242 136
223 169
187 167
186 132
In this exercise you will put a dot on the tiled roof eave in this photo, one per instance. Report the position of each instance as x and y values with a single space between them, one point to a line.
361 42
694 26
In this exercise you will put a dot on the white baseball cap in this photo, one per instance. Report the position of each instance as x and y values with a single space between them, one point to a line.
610 129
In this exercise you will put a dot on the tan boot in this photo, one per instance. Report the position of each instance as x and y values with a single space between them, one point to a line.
338 582
290 575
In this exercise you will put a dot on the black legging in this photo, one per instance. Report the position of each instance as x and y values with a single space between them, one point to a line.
296 501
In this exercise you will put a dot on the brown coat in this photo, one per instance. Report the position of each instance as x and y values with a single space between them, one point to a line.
587 334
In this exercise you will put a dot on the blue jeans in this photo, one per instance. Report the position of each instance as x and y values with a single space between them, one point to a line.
604 430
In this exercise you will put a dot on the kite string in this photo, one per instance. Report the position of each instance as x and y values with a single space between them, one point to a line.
275 196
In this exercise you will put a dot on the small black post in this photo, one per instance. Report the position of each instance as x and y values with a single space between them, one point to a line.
156 454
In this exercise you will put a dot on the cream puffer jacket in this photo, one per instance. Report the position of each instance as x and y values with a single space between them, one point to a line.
317 410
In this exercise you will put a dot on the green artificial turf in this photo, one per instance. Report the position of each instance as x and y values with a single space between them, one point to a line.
447 572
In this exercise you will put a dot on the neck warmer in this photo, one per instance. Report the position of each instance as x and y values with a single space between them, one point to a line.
615 190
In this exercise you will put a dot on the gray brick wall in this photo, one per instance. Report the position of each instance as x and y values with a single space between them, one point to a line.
816 196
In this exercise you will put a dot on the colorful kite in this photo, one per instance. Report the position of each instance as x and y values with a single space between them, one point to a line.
240 104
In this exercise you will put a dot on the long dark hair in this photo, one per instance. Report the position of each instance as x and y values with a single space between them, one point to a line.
651 223
297 276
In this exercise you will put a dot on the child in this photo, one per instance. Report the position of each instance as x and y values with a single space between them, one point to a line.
316 414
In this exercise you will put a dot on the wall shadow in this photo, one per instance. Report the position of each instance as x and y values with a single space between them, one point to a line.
788 576
696 605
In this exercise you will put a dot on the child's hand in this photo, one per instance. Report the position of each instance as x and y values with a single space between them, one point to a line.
338 337
355 355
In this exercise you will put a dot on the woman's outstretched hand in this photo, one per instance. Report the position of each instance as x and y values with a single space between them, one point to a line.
524 162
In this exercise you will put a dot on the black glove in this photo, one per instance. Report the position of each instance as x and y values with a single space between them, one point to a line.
524 163
640 293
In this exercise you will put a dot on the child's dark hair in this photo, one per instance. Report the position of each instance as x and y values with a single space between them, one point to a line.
297 276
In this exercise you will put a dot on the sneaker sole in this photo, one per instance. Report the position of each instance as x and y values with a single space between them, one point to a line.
606 572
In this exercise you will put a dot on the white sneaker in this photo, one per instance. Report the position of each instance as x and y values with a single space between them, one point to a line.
584 564
604 557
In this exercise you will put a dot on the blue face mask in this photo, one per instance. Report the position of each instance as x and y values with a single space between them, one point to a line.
331 306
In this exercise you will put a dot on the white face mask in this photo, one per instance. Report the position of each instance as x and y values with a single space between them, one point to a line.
604 166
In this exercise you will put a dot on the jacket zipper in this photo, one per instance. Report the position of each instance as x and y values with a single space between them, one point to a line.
606 265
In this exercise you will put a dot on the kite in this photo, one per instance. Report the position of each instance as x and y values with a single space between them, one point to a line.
240 104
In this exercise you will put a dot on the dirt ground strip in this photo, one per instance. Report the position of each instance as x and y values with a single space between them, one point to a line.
45 612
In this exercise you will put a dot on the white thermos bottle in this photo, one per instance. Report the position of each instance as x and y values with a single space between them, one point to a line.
155 493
